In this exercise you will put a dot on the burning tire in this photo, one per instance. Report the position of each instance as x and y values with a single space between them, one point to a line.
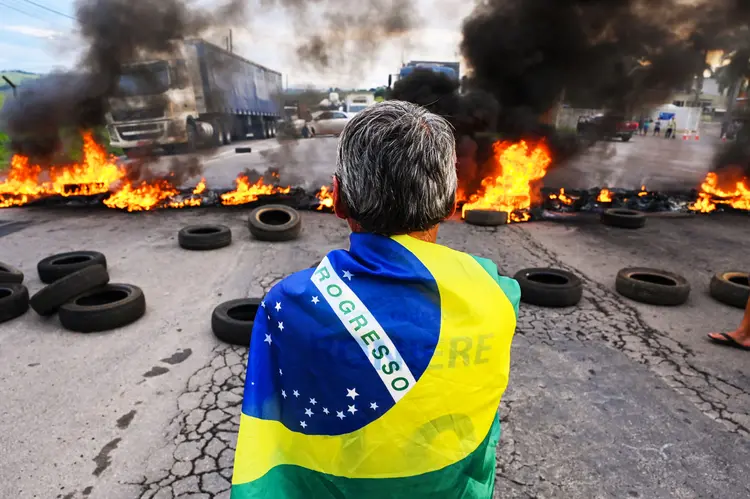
622 218
549 287
731 288
14 301
204 237
9 274
232 321
486 218
652 286
58 266
274 222
50 298
109 307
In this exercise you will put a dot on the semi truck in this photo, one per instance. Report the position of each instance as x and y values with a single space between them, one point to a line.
197 94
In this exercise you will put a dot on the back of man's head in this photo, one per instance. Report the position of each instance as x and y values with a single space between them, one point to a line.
396 167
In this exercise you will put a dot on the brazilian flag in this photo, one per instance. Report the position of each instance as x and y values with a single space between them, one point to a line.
378 374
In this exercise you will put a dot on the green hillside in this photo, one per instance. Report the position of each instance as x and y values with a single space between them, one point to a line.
17 77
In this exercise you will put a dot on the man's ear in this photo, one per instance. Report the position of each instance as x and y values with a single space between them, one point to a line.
339 208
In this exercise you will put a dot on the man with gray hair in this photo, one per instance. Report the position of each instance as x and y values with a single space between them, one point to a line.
379 373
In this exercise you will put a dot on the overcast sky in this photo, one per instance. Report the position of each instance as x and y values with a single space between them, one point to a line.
38 40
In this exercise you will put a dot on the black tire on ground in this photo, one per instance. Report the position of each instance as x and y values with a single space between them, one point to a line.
204 237
232 321
731 288
109 307
626 138
9 274
58 266
239 150
486 218
14 301
217 138
652 286
622 218
274 222
549 287
47 300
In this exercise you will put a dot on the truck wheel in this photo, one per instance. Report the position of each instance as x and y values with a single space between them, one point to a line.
217 138
227 136
192 137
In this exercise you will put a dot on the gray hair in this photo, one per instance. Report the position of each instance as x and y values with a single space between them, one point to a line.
396 167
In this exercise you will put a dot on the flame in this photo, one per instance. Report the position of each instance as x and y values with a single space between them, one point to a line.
519 165
146 196
200 188
93 175
562 197
738 195
325 196
245 192
643 191
605 196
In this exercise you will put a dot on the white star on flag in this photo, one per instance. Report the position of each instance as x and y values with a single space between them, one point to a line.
352 409
325 410
268 339
347 275
315 300
352 393
308 412
313 401
374 406
278 306
295 393
303 424
281 373
283 393
281 326
263 304
340 414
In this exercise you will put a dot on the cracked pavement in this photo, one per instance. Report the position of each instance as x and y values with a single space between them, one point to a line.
608 399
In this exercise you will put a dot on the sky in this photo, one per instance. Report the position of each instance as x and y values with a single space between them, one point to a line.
39 40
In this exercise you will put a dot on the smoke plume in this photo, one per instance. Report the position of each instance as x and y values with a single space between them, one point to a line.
342 35
115 31
531 56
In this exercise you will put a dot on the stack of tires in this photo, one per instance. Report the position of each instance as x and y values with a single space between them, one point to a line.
14 297
79 291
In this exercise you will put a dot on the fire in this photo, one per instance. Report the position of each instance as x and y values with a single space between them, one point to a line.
94 175
146 196
245 192
200 188
510 191
562 197
325 196
605 196
737 195
643 191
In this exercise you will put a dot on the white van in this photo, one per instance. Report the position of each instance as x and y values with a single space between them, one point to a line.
357 102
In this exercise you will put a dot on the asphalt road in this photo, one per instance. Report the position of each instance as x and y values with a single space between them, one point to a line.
609 399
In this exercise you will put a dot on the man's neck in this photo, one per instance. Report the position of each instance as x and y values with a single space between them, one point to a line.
429 235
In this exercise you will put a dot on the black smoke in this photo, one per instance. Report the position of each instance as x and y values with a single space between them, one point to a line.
116 32
528 57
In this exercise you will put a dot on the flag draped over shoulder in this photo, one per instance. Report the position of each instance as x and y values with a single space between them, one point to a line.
377 374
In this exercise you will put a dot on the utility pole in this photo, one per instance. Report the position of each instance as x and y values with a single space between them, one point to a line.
231 44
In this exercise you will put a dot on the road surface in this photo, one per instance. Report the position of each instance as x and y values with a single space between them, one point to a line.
609 399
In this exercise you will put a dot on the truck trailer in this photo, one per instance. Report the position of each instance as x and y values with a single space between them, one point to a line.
197 94
450 69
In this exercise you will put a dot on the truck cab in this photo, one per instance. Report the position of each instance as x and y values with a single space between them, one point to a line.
358 102
153 102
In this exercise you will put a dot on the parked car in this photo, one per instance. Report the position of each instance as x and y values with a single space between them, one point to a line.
328 123
606 126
